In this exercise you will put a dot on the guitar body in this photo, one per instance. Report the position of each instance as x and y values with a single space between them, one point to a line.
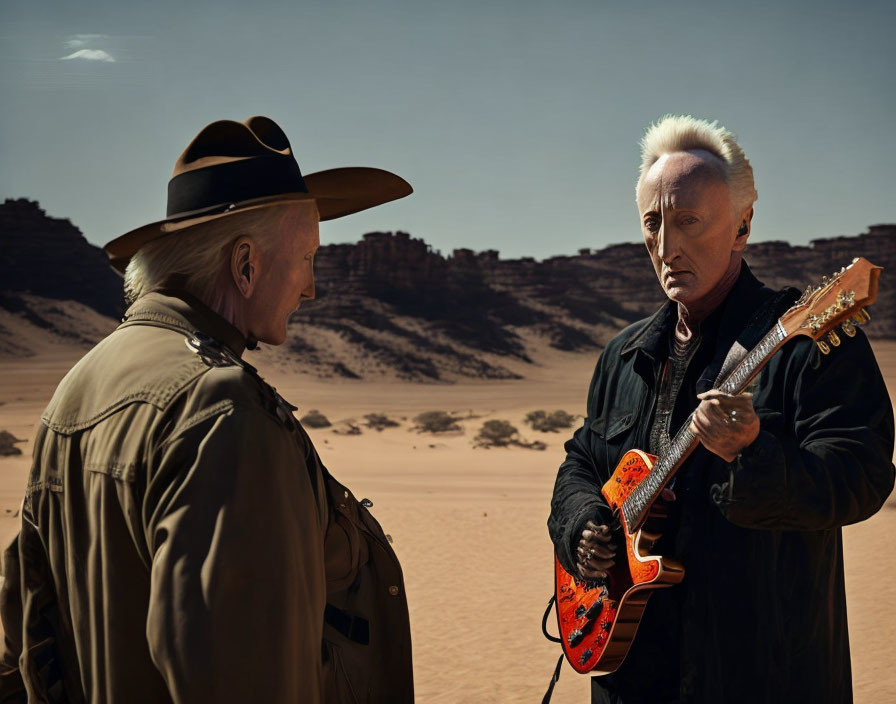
598 619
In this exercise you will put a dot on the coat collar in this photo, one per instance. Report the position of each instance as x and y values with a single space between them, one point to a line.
734 312
184 310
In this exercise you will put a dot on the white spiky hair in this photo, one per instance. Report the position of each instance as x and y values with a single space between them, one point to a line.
678 133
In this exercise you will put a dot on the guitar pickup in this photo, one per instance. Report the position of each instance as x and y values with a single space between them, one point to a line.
575 638
594 611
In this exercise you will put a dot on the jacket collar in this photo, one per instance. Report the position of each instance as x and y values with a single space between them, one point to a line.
185 311
735 310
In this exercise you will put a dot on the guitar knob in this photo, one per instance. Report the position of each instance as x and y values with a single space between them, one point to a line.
823 346
834 338
848 328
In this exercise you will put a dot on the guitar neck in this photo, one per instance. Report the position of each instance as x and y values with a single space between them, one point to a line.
635 507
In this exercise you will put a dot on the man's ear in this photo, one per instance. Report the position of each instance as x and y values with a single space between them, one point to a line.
743 231
244 265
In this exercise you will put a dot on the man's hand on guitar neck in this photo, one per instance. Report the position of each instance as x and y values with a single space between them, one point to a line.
725 424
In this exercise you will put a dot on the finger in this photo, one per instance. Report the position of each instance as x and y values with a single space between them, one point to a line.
719 414
701 423
602 551
595 564
599 551
714 393
592 535
602 529
668 495
591 574
596 548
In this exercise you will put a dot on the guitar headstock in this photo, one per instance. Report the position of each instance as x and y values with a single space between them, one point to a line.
838 300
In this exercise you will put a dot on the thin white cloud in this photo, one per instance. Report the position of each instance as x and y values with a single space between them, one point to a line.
76 41
89 55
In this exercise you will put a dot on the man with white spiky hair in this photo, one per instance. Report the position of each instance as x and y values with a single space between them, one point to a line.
757 509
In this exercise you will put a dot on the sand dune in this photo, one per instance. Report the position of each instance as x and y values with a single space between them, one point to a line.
469 524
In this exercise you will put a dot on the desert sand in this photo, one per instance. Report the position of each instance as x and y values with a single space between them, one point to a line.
469 524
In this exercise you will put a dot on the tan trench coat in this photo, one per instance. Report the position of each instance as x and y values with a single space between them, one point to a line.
172 546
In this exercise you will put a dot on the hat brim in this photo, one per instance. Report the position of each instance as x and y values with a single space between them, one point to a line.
336 192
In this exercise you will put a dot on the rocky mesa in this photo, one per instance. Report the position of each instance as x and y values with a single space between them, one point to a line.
391 306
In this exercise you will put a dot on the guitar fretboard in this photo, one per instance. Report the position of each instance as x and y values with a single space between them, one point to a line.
640 500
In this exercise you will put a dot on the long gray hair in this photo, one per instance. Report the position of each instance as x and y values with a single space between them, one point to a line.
199 258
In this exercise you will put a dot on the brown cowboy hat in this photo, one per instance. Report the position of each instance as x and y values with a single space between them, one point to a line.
232 167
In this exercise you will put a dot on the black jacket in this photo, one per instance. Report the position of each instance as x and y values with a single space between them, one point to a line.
761 613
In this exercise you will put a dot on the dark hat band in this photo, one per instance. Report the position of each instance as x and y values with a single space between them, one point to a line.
232 182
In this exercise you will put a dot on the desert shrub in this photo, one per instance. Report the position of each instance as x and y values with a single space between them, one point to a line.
347 428
378 421
315 419
550 422
500 433
8 443
496 433
435 422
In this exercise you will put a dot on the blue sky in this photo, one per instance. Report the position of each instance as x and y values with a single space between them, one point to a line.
516 122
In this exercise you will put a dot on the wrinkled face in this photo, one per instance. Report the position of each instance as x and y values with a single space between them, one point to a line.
289 277
688 223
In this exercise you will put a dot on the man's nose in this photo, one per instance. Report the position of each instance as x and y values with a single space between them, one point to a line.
309 290
667 246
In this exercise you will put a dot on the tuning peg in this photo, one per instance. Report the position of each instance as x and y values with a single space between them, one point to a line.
834 338
823 346
861 316
848 328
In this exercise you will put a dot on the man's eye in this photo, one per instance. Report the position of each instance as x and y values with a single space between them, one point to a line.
652 224
690 220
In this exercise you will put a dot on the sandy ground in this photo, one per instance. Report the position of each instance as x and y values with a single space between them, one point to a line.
469 524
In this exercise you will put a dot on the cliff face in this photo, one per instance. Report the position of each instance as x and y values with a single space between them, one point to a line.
49 257
394 296
390 305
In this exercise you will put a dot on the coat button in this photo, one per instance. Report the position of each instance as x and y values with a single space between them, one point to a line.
393 590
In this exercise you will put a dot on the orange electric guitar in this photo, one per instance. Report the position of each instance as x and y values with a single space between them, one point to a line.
598 619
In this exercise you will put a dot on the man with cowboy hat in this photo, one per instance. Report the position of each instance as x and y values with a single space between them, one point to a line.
180 539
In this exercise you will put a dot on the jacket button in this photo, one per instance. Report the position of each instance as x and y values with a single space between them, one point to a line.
393 590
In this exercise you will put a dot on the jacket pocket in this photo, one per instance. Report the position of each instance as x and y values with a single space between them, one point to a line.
609 428
614 435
